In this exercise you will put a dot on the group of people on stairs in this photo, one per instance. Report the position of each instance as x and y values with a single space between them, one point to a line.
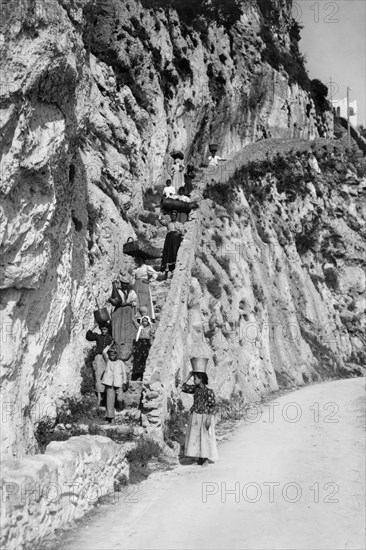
128 334
130 331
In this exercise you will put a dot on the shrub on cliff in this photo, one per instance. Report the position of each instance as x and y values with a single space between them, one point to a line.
218 239
222 12
275 55
222 194
214 286
331 278
45 433
319 92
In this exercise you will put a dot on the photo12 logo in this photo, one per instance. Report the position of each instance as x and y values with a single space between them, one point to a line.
290 412
7 85
269 491
316 12
54 493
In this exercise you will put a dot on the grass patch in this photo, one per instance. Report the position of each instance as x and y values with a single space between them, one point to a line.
81 411
44 433
232 409
145 451
176 424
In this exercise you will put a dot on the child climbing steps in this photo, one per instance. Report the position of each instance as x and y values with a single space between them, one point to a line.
114 380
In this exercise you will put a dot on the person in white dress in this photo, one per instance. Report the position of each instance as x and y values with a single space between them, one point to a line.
143 275
177 173
214 160
169 190
114 379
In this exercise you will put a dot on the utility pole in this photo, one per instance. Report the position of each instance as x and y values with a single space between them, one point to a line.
348 123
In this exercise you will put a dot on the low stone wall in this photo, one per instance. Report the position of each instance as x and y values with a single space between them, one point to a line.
46 492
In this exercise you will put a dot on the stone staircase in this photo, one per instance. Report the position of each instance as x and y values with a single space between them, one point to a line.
131 412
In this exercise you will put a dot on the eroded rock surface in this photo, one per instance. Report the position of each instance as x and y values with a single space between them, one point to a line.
95 97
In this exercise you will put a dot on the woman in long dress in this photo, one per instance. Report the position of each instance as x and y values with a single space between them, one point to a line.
177 173
200 440
123 327
143 275
172 242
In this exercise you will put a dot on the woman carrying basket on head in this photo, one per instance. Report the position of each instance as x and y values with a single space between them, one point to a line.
200 440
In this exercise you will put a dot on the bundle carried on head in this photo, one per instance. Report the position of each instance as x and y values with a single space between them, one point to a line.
199 364
141 248
175 154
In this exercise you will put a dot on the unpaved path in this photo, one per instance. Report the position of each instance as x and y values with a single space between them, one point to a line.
295 485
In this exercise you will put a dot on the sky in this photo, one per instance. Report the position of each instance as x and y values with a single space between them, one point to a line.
333 41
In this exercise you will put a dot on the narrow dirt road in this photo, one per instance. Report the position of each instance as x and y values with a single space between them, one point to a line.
291 478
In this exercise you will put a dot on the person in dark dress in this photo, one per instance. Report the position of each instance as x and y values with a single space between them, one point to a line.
142 347
188 179
172 242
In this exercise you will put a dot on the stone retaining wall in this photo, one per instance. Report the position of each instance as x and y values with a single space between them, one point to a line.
169 353
46 492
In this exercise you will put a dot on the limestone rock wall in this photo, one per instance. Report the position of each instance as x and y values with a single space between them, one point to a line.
94 95
42 493
276 296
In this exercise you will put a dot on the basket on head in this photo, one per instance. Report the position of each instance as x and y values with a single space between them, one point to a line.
101 315
199 364
213 148
175 154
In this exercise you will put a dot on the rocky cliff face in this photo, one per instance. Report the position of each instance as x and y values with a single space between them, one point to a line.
93 97
271 282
